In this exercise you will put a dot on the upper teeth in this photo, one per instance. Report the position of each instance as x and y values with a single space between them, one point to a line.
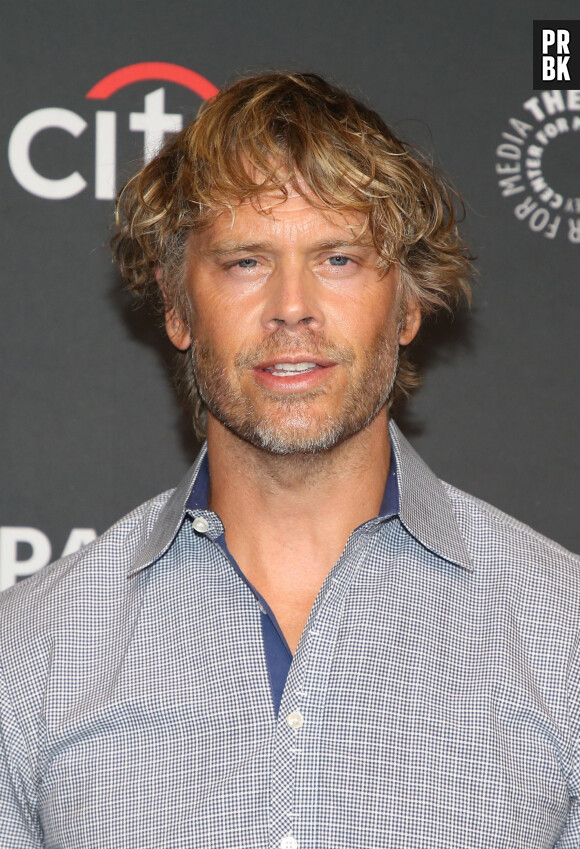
293 367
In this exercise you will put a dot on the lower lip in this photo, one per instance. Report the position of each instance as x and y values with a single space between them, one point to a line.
293 381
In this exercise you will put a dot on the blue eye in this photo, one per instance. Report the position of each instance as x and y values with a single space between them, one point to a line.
338 260
247 263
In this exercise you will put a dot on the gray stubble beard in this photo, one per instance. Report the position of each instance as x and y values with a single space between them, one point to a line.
238 413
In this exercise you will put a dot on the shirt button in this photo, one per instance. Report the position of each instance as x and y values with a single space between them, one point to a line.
200 524
288 842
295 720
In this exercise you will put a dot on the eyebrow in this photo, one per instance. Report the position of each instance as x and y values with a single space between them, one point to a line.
227 248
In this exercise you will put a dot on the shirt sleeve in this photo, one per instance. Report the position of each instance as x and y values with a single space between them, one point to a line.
19 826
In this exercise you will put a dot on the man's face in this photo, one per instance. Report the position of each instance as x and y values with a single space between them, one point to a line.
295 330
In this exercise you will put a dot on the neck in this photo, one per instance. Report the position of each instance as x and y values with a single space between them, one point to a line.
328 493
287 518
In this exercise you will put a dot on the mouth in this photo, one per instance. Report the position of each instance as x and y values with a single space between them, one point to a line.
288 369
293 364
298 371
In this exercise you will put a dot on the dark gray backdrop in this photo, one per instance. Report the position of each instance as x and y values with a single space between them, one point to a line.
89 425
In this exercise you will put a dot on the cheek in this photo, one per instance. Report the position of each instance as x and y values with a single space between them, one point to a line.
366 320
222 325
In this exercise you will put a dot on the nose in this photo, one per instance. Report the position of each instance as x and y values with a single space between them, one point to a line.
293 299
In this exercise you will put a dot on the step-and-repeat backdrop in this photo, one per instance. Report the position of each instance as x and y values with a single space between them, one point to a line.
89 424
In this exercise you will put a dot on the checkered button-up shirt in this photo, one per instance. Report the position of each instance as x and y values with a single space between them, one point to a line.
433 700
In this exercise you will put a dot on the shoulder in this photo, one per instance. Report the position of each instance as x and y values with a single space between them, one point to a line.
494 538
57 623
96 568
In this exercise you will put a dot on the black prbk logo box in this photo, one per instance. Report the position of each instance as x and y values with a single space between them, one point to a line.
556 54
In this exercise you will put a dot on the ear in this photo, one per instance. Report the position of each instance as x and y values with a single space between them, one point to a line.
411 323
176 330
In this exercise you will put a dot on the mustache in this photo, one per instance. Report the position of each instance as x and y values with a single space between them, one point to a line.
287 342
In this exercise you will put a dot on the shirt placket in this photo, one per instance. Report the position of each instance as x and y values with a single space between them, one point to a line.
300 724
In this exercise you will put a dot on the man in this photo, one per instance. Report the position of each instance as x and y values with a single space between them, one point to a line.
312 643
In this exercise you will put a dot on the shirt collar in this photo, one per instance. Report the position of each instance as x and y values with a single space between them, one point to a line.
425 508
413 492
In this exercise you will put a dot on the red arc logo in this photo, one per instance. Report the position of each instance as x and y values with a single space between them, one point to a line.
152 71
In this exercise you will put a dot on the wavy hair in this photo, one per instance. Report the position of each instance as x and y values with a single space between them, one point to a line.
270 132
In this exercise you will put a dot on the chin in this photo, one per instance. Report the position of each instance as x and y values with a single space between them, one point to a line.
284 444
300 434
295 425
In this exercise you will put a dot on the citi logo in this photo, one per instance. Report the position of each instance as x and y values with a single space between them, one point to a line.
152 121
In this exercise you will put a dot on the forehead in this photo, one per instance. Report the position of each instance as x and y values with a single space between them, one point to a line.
278 215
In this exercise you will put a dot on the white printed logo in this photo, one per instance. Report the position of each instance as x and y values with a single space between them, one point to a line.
523 157
153 121
38 551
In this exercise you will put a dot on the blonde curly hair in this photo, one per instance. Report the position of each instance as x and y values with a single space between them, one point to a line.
270 132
